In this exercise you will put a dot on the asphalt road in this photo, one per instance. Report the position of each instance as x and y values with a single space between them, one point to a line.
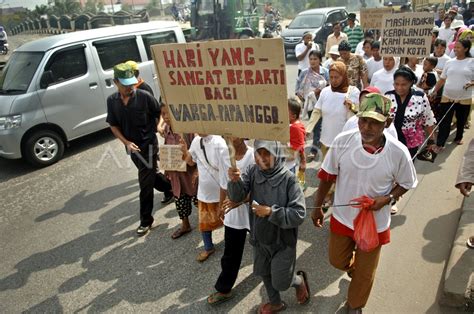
68 243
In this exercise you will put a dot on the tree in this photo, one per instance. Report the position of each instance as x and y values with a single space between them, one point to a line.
41 10
91 6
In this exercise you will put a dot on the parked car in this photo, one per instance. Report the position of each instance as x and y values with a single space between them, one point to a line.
54 90
317 21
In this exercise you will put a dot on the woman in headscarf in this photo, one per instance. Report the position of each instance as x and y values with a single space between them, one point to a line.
335 105
308 87
383 78
411 112
278 208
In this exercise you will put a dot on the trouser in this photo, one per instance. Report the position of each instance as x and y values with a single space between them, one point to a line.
184 205
462 112
230 262
207 239
149 178
277 269
316 135
362 266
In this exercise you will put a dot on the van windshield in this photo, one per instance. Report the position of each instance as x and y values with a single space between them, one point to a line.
17 74
307 21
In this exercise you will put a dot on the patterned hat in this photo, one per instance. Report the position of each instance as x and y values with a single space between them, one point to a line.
124 74
375 106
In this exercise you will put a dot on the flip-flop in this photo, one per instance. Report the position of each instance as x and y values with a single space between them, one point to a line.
262 309
179 233
305 280
218 298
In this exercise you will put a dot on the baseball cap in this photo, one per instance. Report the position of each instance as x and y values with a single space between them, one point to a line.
375 106
334 50
133 64
124 74
371 89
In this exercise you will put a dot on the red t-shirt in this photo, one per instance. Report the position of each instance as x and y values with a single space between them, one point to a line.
297 136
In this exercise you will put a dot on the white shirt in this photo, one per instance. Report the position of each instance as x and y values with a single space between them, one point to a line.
441 60
361 173
334 112
237 218
360 49
208 188
353 123
299 49
327 63
383 80
446 34
418 71
457 73
373 66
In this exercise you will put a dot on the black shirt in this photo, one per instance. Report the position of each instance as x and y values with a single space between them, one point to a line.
144 86
137 120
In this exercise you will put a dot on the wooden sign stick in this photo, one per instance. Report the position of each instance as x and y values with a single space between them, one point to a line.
231 148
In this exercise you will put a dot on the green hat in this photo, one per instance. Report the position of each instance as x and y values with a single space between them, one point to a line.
375 106
124 73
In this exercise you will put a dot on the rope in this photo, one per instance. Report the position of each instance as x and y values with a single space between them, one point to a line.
420 148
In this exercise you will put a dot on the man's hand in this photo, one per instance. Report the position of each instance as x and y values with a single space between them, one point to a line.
318 217
261 210
348 104
132 147
183 146
465 188
380 202
234 174
228 205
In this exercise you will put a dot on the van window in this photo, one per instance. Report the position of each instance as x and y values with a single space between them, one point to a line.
67 64
158 38
117 50
18 73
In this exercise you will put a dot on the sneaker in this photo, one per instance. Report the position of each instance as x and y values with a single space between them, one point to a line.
167 198
141 231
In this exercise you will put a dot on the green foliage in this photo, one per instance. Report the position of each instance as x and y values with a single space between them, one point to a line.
91 6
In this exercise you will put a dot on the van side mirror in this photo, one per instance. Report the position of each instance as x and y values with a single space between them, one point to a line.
46 79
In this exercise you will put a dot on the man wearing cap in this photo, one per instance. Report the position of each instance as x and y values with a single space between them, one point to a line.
364 161
335 38
132 116
333 54
354 32
302 51
141 83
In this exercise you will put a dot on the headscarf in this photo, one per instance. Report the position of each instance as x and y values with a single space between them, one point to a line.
457 37
395 67
340 68
276 174
465 33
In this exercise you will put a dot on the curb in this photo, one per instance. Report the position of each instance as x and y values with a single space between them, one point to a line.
458 288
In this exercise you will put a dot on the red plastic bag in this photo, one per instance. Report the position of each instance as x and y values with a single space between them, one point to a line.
365 228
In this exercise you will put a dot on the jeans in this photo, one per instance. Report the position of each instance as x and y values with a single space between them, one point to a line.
207 238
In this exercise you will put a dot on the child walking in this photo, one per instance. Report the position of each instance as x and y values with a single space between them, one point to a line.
297 156
204 152
278 208
183 184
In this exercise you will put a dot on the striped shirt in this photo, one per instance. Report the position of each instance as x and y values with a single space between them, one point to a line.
355 36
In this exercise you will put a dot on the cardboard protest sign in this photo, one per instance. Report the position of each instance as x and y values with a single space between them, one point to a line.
407 34
372 18
230 87
171 158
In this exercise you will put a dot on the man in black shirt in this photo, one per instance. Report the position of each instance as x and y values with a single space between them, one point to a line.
132 116
141 84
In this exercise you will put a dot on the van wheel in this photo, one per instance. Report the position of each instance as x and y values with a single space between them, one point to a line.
43 148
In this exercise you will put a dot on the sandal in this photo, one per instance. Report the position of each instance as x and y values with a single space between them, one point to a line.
459 142
305 299
204 255
218 298
179 233
267 308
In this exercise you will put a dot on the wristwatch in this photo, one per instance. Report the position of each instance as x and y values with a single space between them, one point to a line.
393 200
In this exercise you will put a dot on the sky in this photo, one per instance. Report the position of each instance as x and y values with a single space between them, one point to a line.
30 4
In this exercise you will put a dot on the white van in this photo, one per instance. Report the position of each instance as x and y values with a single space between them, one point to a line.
54 90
